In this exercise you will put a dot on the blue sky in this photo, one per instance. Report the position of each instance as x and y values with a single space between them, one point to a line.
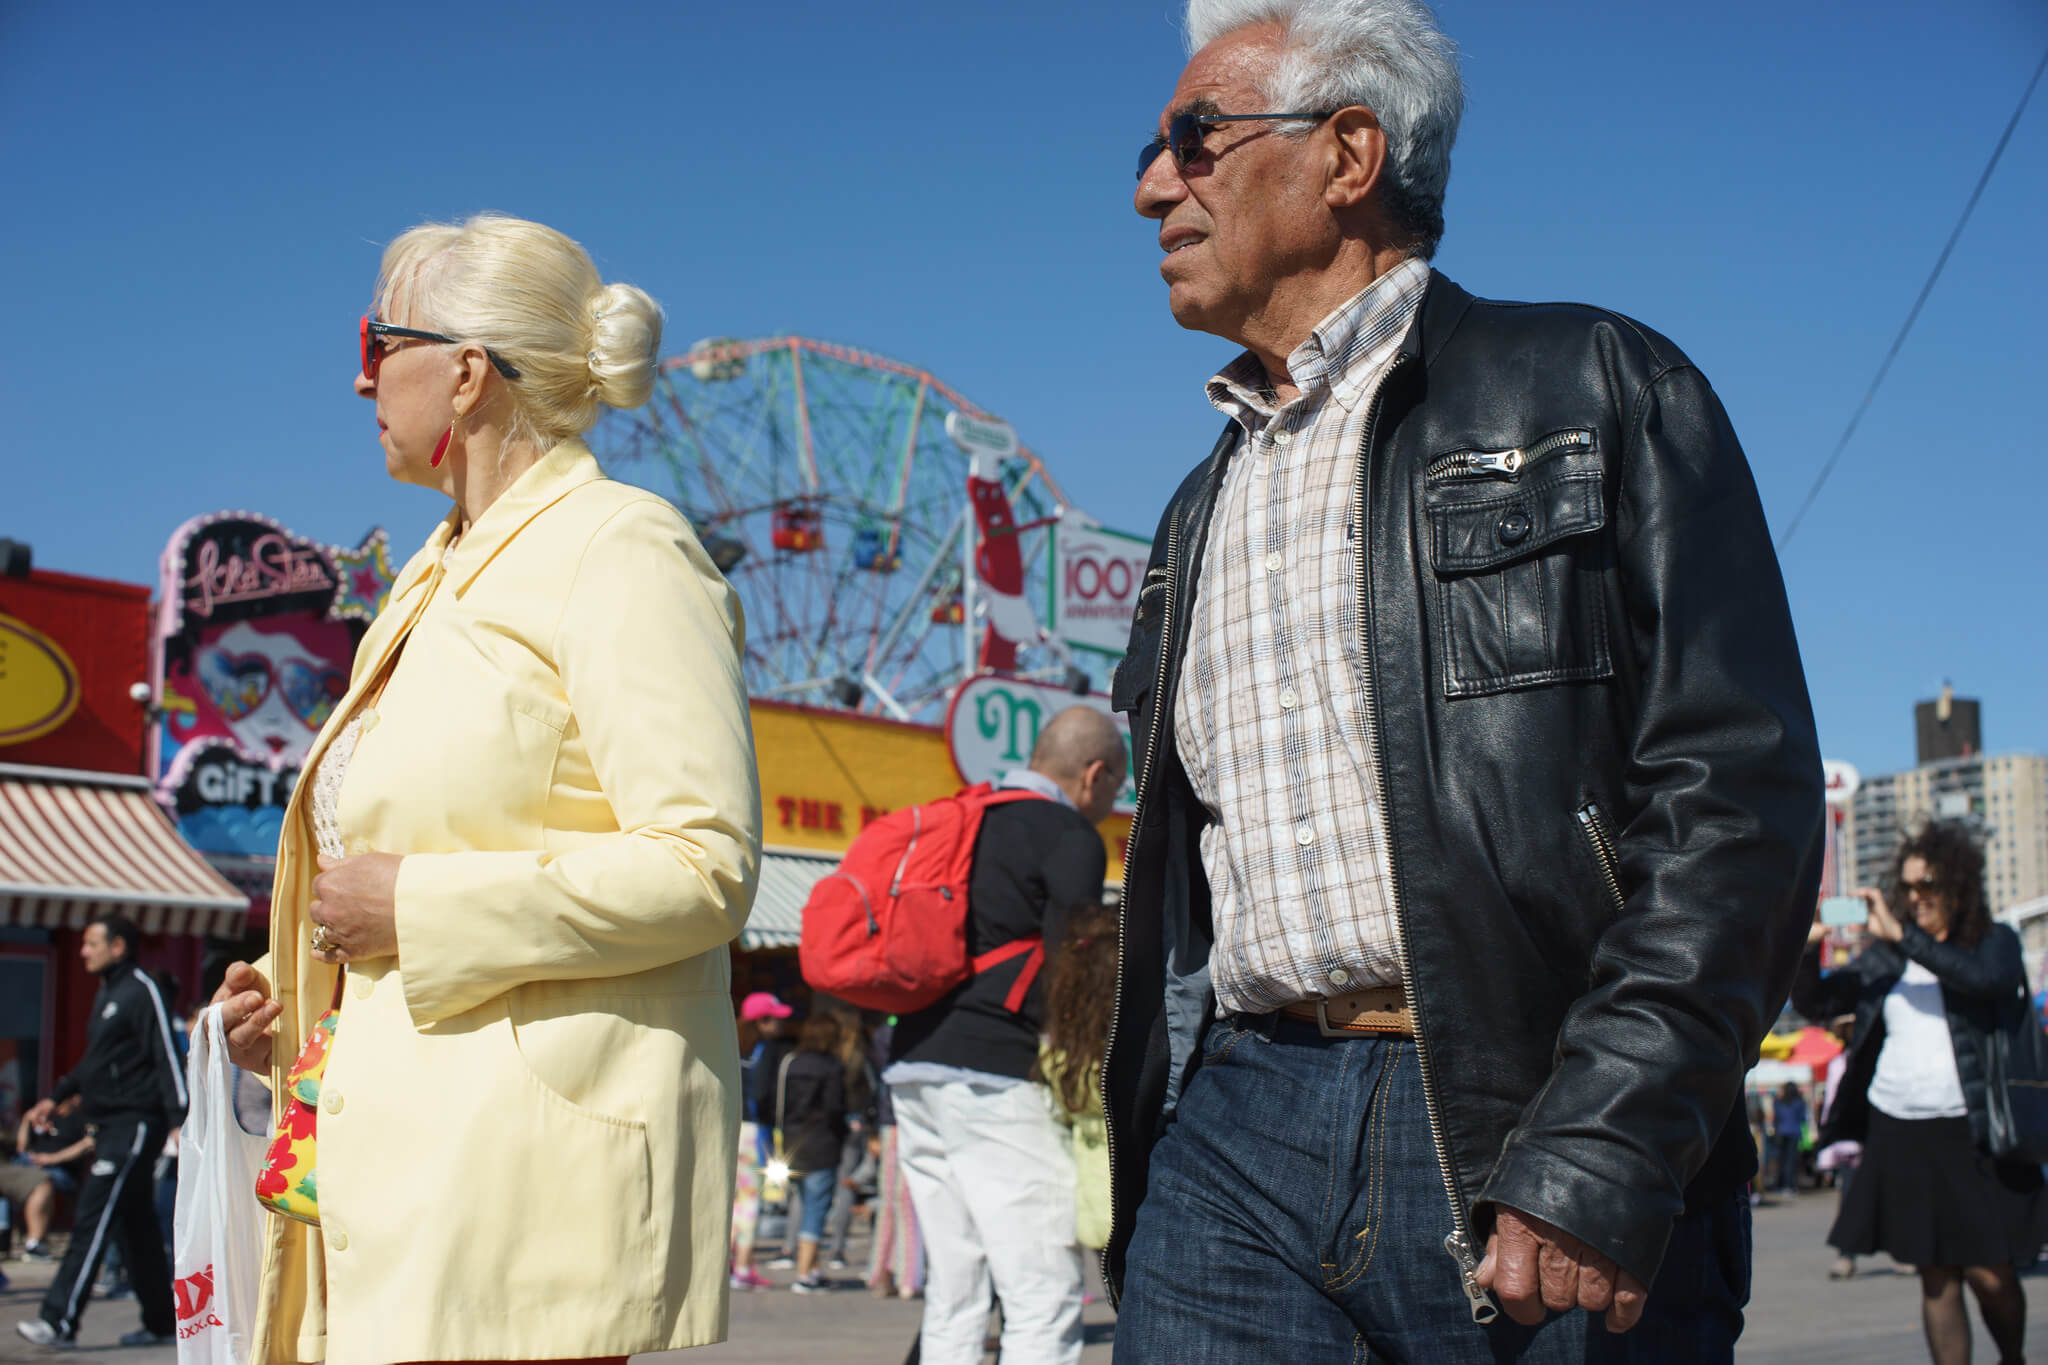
197 196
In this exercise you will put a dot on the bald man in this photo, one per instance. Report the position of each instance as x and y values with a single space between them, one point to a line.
990 1172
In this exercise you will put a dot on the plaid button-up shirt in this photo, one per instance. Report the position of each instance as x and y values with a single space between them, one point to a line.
1271 716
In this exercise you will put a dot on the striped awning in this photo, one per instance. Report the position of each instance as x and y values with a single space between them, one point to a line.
777 920
76 844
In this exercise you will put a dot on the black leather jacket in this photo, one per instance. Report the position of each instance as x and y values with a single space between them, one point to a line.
1601 779
1979 987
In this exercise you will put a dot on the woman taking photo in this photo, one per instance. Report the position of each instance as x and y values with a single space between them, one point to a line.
528 832
1927 993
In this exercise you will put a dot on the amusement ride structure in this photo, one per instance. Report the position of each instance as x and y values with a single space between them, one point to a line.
880 528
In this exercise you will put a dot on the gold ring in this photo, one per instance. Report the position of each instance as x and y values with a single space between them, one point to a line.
321 942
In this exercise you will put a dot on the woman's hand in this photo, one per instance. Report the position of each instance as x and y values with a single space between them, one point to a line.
1883 924
247 1011
1817 931
355 900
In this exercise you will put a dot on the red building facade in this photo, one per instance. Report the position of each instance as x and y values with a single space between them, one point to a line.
80 833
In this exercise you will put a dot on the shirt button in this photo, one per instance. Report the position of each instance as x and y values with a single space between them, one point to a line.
363 987
1339 977
1274 563
1288 699
1282 437
337 1240
1303 834
331 1101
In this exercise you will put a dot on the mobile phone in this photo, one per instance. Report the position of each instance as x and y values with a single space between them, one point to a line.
1836 911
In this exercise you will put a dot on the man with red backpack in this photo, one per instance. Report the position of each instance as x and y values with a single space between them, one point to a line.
989 1171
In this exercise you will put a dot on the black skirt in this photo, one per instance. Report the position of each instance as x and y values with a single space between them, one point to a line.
1926 1196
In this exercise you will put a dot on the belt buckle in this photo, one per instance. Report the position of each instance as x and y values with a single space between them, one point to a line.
1323 1022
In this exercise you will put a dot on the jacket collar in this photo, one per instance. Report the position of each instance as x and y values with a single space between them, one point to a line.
1443 308
558 473
1031 780
561 471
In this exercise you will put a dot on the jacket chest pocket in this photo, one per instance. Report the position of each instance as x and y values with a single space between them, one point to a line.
1520 565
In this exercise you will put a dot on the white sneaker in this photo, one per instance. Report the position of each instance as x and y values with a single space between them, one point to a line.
43 1334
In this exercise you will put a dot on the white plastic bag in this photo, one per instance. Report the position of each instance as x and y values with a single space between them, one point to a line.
219 1224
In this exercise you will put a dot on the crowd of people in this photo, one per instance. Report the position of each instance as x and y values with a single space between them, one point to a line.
971 1129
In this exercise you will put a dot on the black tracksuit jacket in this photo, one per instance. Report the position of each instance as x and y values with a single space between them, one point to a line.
131 1062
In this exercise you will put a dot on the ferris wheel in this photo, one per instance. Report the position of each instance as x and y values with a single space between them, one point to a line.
882 531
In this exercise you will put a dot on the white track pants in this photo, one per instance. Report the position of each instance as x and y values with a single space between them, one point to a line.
992 1177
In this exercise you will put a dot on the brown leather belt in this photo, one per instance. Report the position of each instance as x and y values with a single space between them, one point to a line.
1382 1009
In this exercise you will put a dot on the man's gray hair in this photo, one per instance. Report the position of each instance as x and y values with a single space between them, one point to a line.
1388 55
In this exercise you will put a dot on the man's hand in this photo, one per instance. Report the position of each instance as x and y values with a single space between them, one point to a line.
247 1011
1532 1266
38 1115
356 901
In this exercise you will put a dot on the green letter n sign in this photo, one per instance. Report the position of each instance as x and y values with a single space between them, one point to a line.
1023 721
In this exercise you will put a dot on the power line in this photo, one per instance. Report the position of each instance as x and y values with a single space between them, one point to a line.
1919 303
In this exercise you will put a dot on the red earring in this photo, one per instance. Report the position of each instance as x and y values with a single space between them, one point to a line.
441 450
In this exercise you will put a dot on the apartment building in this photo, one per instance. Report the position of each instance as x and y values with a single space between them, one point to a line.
2004 796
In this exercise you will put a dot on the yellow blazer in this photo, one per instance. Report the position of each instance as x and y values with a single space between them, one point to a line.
529 1119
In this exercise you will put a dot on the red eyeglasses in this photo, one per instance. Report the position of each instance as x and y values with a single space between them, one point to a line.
373 354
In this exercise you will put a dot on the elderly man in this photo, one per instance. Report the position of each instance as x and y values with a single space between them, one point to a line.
1479 798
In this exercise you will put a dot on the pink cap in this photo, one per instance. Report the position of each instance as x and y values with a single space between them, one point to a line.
763 1005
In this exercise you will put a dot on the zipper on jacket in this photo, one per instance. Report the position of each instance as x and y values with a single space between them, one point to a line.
1459 1244
1130 856
1602 840
1509 463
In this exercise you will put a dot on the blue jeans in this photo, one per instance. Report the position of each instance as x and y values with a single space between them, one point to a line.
816 1187
1296 1207
1785 1150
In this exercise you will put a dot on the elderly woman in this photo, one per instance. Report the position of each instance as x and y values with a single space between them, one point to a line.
528 832
1927 994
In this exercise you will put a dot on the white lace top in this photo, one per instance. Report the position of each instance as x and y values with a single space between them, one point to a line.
327 779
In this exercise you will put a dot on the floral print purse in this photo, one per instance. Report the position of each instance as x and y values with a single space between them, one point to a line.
287 1184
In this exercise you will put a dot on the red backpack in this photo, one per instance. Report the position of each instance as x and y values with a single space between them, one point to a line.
888 930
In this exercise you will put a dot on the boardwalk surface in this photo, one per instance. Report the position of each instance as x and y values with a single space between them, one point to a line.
1797 1316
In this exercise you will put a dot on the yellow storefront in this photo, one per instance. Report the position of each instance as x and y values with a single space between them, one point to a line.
824 774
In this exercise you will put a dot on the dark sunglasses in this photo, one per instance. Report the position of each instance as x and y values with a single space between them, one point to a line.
373 354
1926 886
1185 133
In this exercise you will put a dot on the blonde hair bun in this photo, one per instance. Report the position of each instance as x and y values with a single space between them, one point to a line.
531 295
625 344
